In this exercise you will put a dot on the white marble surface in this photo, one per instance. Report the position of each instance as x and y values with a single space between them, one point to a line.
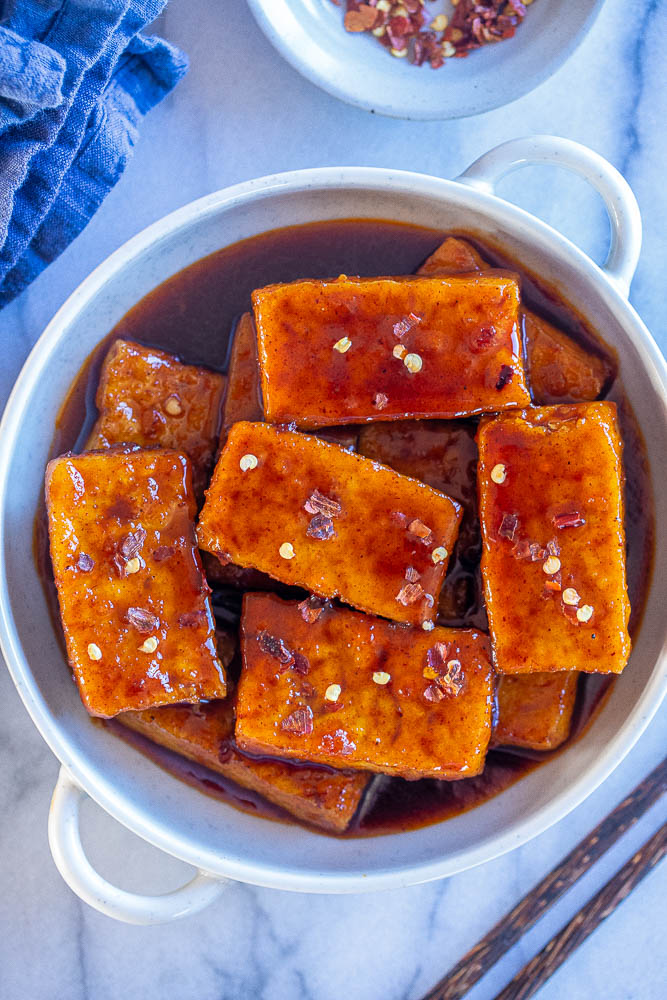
240 113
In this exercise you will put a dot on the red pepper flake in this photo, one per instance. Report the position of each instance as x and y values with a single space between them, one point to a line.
299 722
405 325
317 503
505 377
418 528
127 549
403 26
436 656
84 562
142 620
361 17
434 693
484 339
409 594
554 584
508 526
553 548
380 400
321 528
301 664
275 647
311 608
569 519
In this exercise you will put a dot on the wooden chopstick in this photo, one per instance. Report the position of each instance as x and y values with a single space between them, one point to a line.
477 962
536 972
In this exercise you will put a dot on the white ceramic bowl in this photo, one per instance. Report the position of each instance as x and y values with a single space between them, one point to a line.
309 34
221 842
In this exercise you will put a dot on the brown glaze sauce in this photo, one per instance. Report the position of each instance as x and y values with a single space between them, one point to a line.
193 315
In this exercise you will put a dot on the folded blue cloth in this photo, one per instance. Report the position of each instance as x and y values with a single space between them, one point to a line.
76 77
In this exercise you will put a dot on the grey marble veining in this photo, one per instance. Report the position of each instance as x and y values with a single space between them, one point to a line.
240 113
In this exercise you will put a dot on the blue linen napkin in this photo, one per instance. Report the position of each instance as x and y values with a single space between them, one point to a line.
76 78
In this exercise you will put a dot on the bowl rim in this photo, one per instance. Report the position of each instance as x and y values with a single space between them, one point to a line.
113 799
515 85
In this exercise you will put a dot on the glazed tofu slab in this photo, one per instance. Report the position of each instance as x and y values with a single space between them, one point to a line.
310 514
337 687
243 400
559 369
443 454
149 398
205 733
535 710
553 561
361 349
133 601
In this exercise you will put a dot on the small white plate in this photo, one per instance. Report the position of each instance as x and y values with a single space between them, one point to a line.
357 69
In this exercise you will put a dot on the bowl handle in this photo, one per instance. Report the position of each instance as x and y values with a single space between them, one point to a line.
92 888
621 204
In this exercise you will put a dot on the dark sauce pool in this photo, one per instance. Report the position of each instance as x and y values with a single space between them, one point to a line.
193 315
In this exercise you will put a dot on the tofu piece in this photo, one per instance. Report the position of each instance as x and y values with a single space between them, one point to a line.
559 369
315 516
243 400
205 733
535 710
150 398
553 558
443 454
347 690
356 350
453 256
133 600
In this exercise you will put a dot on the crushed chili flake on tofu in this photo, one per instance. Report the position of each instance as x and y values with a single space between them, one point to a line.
557 459
205 733
384 716
448 364
151 630
387 523
150 398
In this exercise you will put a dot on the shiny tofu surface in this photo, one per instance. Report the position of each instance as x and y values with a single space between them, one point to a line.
133 600
535 710
150 398
355 350
205 733
553 561
243 399
310 514
442 454
348 690
559 369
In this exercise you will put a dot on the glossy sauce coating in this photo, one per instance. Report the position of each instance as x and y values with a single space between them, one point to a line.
374 527
205 733
361 692
327 349
134 603
553 560
535 710
150 398
559 369
444 455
